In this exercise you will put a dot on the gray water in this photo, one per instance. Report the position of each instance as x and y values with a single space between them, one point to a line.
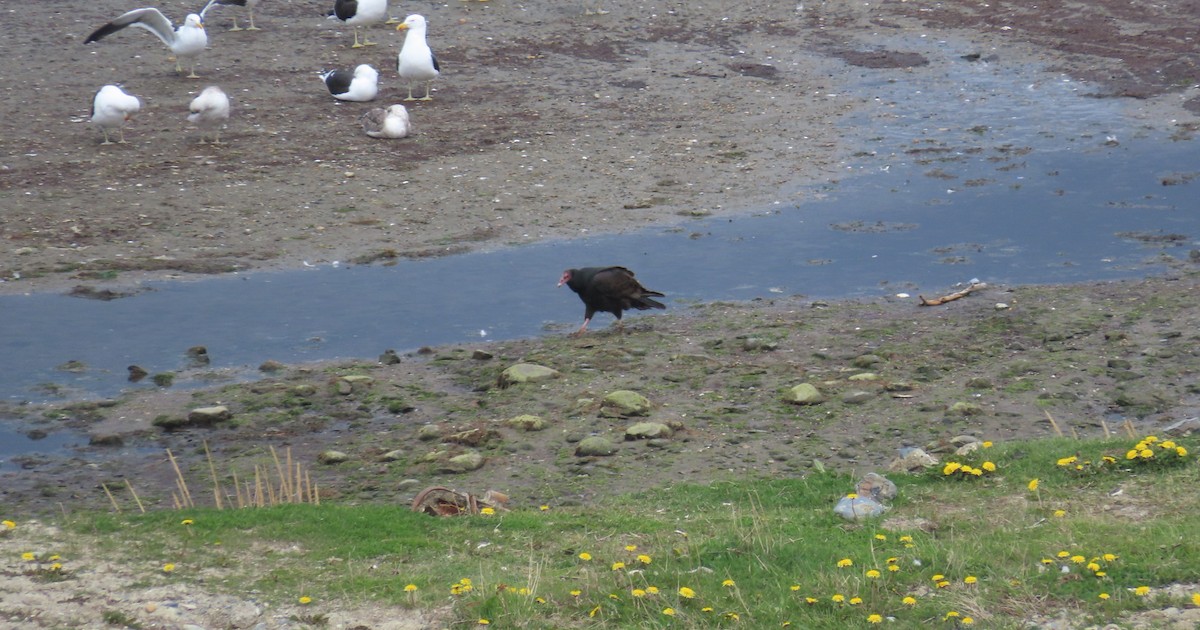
973 171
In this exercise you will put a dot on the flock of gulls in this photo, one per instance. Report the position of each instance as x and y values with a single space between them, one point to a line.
112 107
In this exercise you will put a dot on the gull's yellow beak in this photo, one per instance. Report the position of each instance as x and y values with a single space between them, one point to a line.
402 26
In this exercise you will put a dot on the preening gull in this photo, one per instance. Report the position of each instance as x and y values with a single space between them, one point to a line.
360 13
209 111
111 109
249 4
361 85
416 61
187 41
387 123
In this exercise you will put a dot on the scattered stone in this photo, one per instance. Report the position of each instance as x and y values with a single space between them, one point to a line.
877 487
912 460
757 344
465 462
858 509
864 376
857 397
136 373
405 484
1119 364
163 379
804 394
979 383
968 448
595 446
965 409
72 366
198 356
344 388
481 355
389 357
526 373
429 432
899 386
392 456
647 431
358 378
624 403
332 457
1182 428
105 439
271 365
527 422
206 416
866 361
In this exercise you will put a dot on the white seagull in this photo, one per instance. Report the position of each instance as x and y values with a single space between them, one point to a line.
187 41
360 13
387 123
249 4
209 110
361 85
111 109
416 61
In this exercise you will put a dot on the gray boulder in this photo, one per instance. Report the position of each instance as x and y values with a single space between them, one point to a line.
526 373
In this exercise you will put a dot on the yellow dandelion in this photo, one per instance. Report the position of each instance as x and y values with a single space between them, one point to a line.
938 578
576 592
1078 559
1103 596
909 601
637 592
186 521
483 622
1060 513
57 566
644 559
852 496
967 621
465 581
728 584
906 539
950 468
29 556
892 560
617 566
631 548
8 524
845 562
794 587
1064 554
686 592
1067 461
854 601
594 611
540 600
1093 567
487 511
1146 453
1180 451
986 444
653 590
543 507
168 567
1033 485
614 596
54 558
670 612
1167 444
880 537
410 588
1150 439
975 472
838 598
873 574
1101 574
1196 599
1047 560
732 616
585 556
893 568
1141 591
706 609
304 600
950 615
1131 454
970 579
1109 557
811 600
989 466
943 584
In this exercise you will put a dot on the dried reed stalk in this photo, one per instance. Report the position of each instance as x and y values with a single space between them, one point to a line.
212 471
180 481
135 496
111 499
1057 429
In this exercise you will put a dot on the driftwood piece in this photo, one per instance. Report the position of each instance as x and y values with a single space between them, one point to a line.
440 501
957 295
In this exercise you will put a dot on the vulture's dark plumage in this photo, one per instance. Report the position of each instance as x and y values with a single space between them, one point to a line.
608 289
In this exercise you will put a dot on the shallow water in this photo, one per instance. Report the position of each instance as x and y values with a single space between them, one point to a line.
972 170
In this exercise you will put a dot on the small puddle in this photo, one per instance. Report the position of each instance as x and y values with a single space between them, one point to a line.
972 170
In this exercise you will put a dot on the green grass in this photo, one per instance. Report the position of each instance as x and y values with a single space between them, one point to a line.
753 552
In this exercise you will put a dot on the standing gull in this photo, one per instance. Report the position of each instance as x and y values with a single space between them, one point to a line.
360 13
387 123
416 61
361 85
249 4
187 41
209 111
111 109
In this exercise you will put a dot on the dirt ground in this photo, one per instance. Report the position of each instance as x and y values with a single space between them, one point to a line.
546 123
551 123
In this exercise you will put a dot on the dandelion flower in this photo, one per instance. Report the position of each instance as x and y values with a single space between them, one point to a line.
1196 599
970 579
614 596
1109 557
644 559
943 584
670 612
1060 513
1047 560
186 521
1064 554
728 583
852 496
617 566
686 592
168 567
854 601
794 587
938 578
811 600
8 524
1141 591
986 444
1103 596
487 511
909 601
1180 451
1131 454
967 621
631 548
732 616
576 592
950 468
873 574
1078 559
989 466
653 590
706 609
1033 485
880 537
838 598
950 615
1093 567
594 611
305 600
845 562
57 566
893 568
29 556
543 507
484 622
585 556
410 588
906 539
637 592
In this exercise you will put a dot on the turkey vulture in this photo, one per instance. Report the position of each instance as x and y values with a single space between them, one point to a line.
608 289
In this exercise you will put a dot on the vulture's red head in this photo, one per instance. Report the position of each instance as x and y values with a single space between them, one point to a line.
566 277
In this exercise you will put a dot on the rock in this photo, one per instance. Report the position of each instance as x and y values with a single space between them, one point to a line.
857 397
595 446
105 439
209 415
358 378
912 460
756 344
465 462
864 376
527 422
389 357
526 373
392 456
877 487
866 361
163 379
429 432
481 355
270 365
899 386
979 383
647 431
406 484
198 356
72 366
1182 428
967 449
332 457
624 403
344 387
965 409
858 509
136 373
804 394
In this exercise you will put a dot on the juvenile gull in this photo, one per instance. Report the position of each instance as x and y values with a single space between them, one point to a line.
111 109
209 111
187 41
416 61
387 123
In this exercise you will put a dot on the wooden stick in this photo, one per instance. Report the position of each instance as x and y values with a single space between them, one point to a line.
135 496
1054 424
111 499
950 297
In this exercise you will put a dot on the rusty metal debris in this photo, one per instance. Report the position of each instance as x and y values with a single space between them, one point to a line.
440 501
